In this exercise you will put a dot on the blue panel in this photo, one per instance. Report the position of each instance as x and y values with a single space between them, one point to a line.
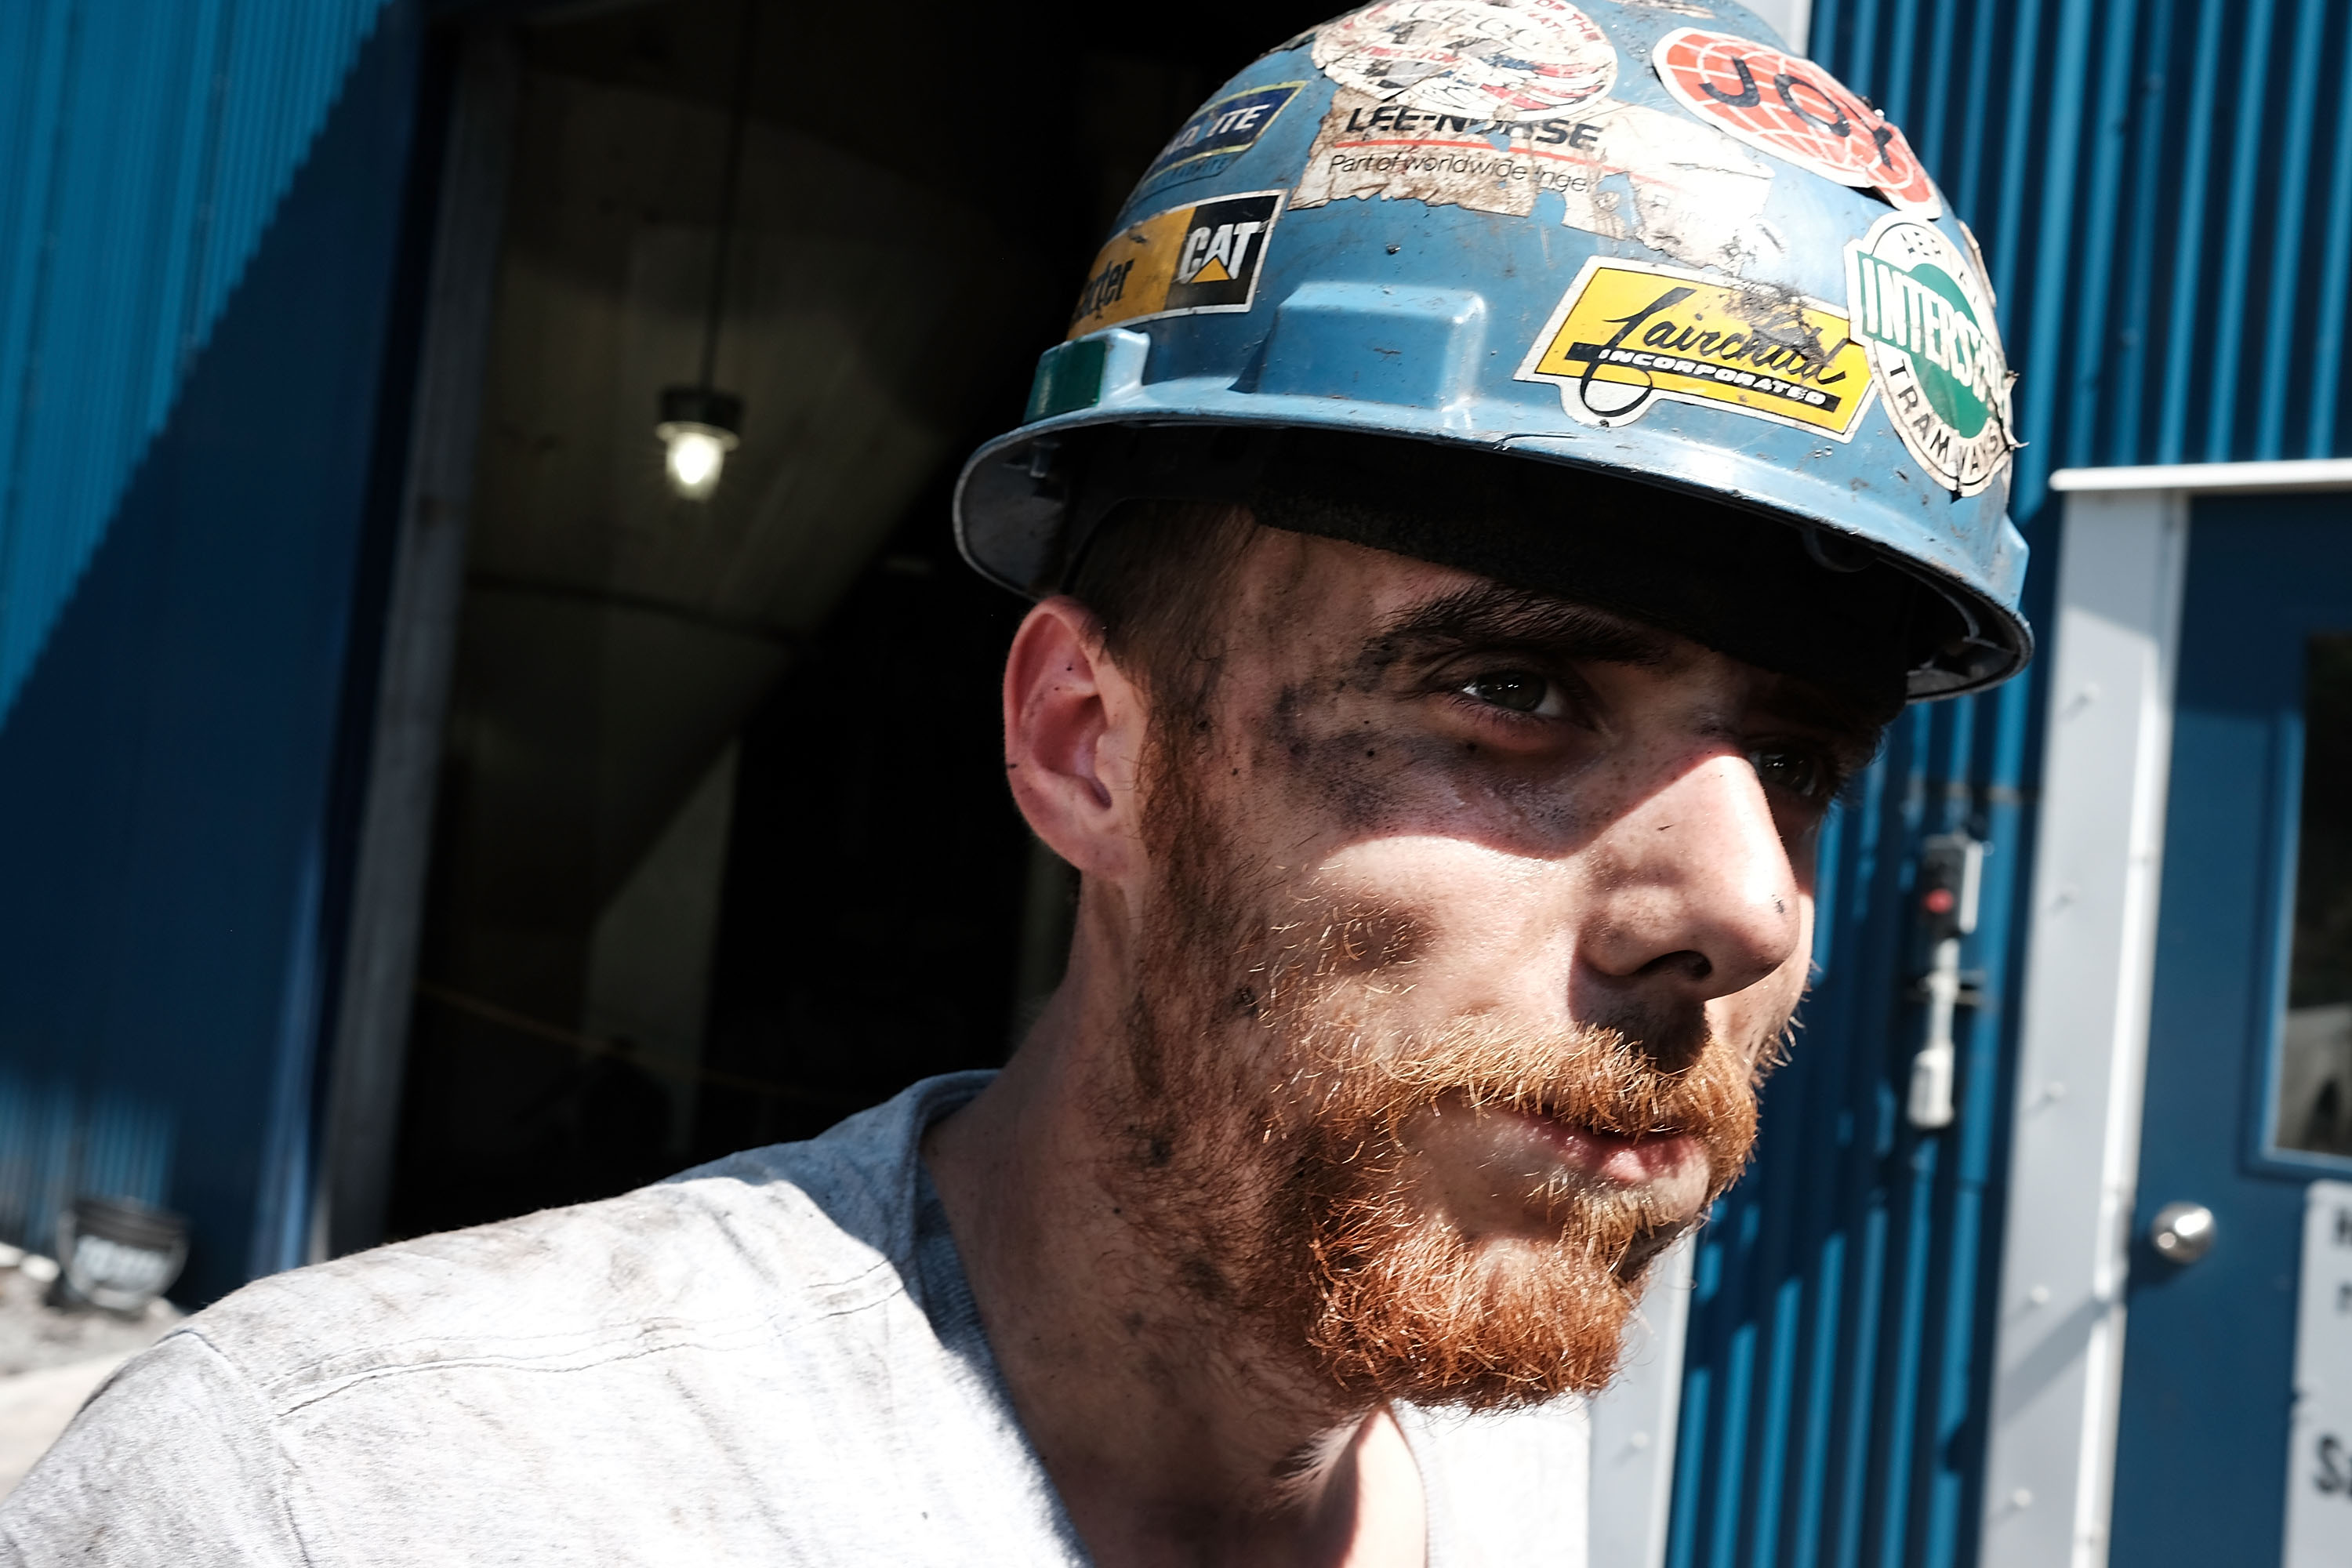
143 149
2164 191
167 766
2200 1462
2164 194
1838 1328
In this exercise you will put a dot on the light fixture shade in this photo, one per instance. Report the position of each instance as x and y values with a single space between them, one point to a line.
702 405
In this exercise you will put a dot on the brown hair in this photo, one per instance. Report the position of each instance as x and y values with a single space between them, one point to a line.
1158 575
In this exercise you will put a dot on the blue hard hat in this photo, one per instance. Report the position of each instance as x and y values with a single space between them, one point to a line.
1635 241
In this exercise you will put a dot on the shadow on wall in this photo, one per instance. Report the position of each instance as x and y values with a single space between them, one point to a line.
164 774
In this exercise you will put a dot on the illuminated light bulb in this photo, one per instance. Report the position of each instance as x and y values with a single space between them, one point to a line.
698 456
697 427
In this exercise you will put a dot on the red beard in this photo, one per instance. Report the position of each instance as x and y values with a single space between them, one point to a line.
1269 1115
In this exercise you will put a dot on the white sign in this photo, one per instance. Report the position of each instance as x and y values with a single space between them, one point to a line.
2319 1463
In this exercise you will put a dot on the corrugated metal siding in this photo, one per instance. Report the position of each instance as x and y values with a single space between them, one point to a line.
2164 192
1829 1399
147 147
144 146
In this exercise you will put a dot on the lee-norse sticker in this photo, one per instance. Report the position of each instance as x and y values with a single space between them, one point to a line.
1792 109
1925 319
1628 336
1489 106
1185 261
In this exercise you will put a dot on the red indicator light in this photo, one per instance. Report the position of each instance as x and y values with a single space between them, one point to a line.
1939 901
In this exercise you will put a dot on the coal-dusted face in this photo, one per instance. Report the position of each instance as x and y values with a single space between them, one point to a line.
1474 917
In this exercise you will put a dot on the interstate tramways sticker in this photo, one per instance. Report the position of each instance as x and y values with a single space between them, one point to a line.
1628 336
1187 261
1924 316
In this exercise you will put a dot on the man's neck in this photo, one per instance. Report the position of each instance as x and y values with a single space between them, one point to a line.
1172 1436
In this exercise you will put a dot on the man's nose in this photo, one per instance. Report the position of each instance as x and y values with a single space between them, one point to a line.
1696 896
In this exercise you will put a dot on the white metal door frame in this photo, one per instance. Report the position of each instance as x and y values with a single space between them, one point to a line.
2090 965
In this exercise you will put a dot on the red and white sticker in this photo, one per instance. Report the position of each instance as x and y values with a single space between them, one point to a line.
1793 109
1485 60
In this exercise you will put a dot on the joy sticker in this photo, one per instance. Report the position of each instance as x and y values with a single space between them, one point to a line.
1793 109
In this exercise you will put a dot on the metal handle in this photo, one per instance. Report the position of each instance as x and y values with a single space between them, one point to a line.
1930 1099
2181 1233
1951 875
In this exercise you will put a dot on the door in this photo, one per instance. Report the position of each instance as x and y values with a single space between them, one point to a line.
2249 1085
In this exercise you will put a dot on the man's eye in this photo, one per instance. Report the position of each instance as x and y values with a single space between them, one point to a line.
1793 769
1520 690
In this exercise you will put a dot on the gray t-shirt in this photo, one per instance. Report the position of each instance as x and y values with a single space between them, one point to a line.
772 1360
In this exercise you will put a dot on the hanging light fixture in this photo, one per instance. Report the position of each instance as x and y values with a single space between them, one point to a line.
700 425
700 428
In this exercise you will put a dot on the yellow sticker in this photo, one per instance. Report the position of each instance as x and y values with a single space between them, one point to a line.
1181 262
1628 335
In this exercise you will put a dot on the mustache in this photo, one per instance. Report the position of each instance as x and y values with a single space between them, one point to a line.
1597 1076
1302 967
1600 1077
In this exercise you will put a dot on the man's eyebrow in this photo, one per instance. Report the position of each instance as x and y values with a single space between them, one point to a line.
1853 735
1488 615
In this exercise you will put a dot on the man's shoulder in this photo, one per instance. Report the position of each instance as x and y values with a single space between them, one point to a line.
734 1255
695 1261
731 1366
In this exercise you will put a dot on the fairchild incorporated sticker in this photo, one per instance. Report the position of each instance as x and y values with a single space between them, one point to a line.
1924 317
1628 336
1793 109
1183 261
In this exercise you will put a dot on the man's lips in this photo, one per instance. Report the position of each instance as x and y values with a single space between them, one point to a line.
1615 1157
1501 1169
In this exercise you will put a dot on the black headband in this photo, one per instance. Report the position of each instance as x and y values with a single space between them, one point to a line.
1774 594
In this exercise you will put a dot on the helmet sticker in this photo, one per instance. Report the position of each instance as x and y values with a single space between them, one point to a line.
1628 335
1429 108
1220 132
1977 260
1925 317
1793 109
1498 59
1695 195
1179 262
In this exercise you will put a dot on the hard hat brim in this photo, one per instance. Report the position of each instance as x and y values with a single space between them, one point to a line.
1013 519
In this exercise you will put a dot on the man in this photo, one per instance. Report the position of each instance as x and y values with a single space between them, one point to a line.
1462 596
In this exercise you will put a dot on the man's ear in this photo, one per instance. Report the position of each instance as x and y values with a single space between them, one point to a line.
1074 731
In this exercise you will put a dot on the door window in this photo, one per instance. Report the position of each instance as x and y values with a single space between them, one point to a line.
2314 1108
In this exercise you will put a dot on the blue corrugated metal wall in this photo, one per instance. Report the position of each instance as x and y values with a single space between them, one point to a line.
201 210
2164 192
145 145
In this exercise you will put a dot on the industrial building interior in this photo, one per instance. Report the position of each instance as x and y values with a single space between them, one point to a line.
721 848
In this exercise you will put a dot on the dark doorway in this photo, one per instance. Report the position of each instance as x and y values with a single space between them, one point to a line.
722 849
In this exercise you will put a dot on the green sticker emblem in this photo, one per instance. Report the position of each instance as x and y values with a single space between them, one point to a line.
1924 316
